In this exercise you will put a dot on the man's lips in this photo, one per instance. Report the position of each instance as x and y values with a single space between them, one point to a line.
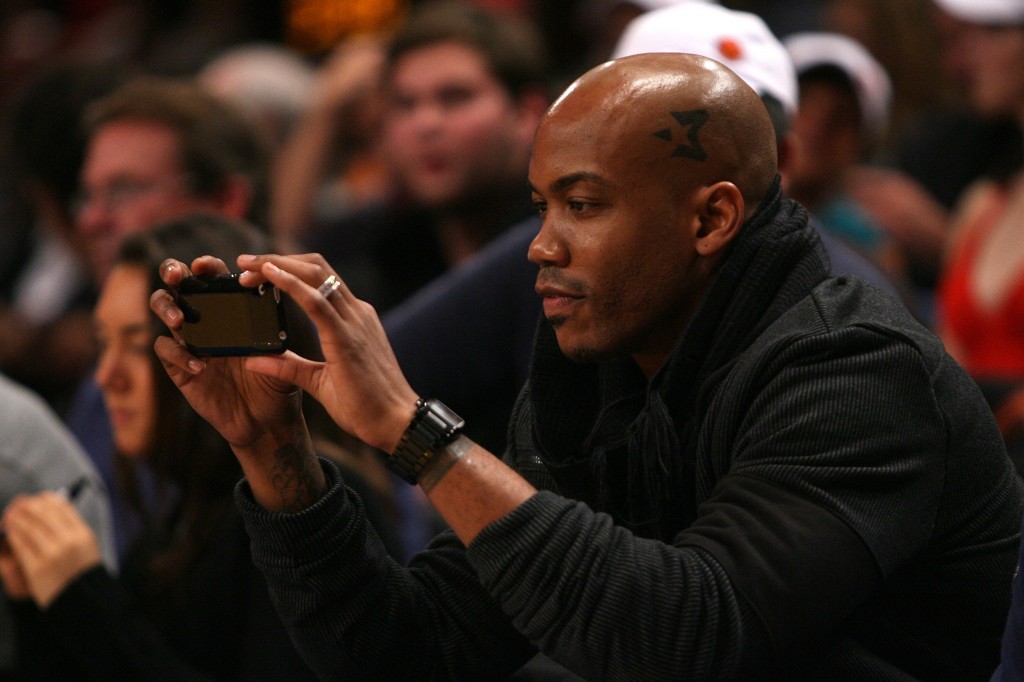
557 301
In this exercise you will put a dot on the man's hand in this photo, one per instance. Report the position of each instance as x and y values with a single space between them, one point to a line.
260 416
362 387
360 383
48 546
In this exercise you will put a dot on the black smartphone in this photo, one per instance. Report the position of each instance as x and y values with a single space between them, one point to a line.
222 317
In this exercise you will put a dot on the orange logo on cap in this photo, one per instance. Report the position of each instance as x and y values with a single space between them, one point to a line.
729 48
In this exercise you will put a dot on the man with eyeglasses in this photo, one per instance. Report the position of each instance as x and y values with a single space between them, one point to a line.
159 149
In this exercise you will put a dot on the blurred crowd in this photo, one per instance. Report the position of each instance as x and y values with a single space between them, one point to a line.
394 138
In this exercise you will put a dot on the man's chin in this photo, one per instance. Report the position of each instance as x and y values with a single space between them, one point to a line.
575 351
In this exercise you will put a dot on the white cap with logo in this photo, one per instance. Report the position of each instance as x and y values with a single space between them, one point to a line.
739 40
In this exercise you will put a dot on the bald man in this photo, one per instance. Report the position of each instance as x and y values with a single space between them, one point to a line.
725 465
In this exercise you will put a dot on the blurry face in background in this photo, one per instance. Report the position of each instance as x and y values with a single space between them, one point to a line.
828 125
994 69
132 178
451 127
125 372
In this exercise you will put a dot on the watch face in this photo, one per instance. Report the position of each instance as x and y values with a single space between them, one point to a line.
441 411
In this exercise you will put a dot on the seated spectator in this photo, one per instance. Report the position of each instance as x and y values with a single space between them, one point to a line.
980 299
843 112
37 453
188 602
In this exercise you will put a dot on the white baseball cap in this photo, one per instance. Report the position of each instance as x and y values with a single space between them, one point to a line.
869 79
739 40
989 12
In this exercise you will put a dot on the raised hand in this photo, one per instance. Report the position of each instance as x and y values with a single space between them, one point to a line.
48 546
360 382
259 415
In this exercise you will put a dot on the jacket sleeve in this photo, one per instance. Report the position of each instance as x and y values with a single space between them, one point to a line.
349 606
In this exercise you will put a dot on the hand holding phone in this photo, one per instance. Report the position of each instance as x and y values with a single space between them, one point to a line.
224 318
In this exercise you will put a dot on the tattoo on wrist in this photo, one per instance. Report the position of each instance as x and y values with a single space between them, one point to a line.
294 478
443 462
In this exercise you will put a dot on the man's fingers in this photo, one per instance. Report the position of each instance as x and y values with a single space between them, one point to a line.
206 266
176 359
172 271
163 305
288 368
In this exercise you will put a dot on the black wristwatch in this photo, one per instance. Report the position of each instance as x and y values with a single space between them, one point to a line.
432 427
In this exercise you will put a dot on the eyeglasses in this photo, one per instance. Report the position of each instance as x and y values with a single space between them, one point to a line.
122 192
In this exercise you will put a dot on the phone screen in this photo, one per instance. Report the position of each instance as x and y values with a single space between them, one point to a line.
224 318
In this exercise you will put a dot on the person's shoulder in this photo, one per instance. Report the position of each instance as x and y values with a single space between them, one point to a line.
386 217
24 411
36 449
846 305
500 271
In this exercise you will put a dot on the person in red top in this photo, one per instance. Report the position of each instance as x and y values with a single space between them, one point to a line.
980 298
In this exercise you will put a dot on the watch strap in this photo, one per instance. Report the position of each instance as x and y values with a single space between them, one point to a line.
433 426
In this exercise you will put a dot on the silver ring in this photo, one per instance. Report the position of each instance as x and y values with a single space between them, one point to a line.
329 286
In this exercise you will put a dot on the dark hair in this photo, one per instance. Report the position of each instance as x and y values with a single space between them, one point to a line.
189 458
216 139
510 45
47 142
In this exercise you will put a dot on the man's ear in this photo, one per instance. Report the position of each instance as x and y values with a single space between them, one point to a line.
721 211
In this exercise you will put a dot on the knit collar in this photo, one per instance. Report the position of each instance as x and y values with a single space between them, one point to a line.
618 442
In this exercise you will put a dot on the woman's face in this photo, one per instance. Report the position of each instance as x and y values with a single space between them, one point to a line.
125 372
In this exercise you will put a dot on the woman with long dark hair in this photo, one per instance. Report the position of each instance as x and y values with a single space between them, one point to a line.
188 603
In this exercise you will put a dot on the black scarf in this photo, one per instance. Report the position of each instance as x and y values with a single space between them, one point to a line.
623 445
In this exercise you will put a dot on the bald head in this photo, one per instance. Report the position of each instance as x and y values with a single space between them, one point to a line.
644 173
678 118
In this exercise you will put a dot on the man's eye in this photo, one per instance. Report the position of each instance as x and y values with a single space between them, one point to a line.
578 205
540 206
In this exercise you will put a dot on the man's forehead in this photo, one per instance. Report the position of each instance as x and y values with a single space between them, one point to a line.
448 60
134 143
570 151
